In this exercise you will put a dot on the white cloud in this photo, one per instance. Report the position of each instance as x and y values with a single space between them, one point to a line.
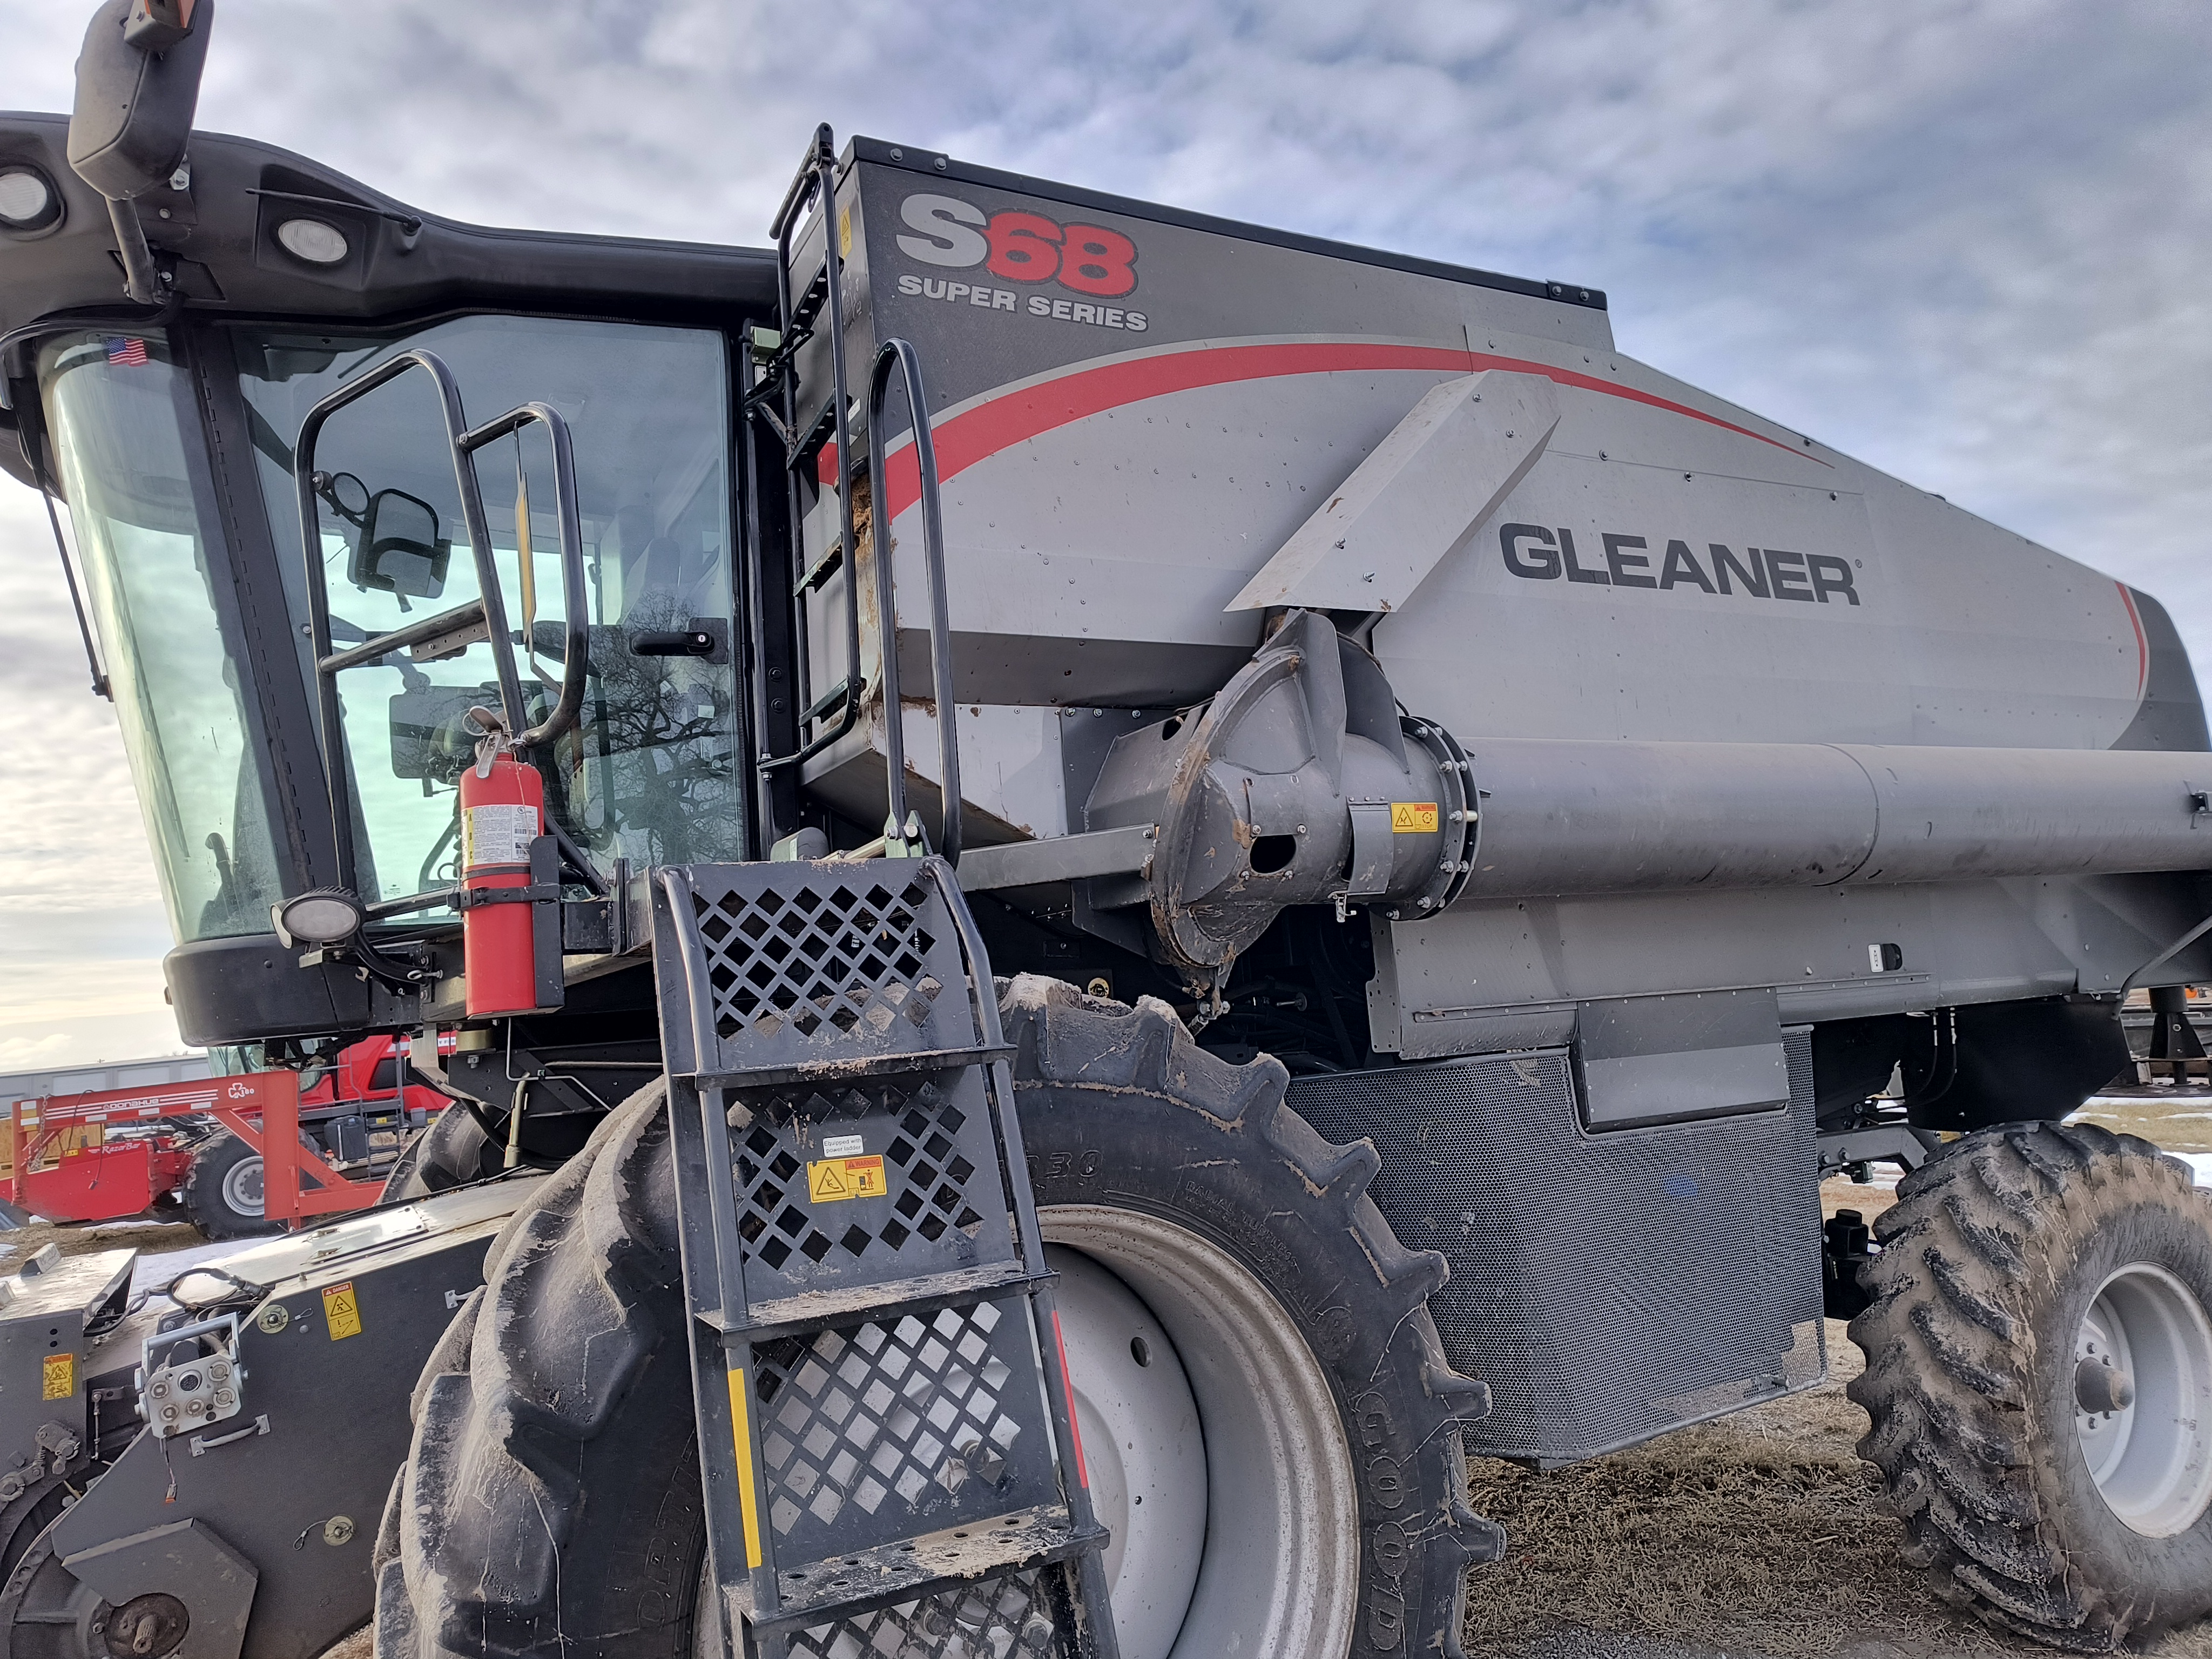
35 1053
1963 240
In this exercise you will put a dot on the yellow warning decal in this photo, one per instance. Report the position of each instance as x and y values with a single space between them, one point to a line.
741 1431
60 1379
342 1309
1413 818
835 1178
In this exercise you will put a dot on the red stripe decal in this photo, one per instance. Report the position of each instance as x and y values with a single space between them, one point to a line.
1074 1428
2143 645
976 433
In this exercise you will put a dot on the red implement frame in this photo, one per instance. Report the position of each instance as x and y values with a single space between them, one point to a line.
262 1109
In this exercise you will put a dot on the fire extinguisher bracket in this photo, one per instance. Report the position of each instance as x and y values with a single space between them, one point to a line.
534 894
545 920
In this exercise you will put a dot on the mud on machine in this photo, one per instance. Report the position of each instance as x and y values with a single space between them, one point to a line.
1072 1002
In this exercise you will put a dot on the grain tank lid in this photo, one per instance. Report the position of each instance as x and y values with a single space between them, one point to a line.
936 164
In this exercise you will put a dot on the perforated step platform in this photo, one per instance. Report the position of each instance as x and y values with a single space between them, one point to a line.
890 1463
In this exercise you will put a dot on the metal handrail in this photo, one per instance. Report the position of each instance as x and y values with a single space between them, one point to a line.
898 355
464 441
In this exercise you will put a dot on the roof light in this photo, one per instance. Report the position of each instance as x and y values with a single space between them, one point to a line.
325 916
27 201
312 240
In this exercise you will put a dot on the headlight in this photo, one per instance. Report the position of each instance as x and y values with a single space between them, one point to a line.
28 200
312 240
328 915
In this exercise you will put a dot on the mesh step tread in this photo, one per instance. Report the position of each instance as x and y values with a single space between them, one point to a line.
827 1072
788 1316
894 1573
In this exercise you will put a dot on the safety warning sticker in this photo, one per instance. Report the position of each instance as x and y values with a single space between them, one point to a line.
1413 818
59 1381
835 1178
342 1309
497 835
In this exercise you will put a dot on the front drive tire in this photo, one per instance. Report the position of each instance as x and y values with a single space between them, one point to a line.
2009 1264
1290 1303
552 1495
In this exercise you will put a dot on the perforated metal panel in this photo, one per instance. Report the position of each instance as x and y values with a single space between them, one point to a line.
1009 1617
943 1209
884 1430
1610 1285
855 960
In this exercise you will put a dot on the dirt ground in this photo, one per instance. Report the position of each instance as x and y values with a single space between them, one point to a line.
1762 1534
153 1238
2178 1120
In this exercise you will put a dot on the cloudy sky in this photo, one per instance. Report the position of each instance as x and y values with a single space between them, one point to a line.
1964 240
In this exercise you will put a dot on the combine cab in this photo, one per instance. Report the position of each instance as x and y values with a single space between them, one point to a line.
1143 879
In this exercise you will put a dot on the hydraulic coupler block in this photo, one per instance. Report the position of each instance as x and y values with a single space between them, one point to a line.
191 1377
1299 783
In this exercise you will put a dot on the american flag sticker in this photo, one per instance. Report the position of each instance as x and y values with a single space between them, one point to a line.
127 350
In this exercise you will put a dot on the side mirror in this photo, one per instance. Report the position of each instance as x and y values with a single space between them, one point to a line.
137 84
400 550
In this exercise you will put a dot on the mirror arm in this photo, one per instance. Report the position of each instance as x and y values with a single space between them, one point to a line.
140 281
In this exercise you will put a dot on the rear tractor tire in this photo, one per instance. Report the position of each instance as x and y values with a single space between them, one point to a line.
224 1191
2040 1378
1268 1421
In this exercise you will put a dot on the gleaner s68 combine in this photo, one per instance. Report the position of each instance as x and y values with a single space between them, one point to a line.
1302 880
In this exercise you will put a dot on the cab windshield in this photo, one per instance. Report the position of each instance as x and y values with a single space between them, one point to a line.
650 773
118 407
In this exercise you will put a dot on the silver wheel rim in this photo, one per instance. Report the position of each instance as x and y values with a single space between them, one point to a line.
242 1187
1277 1508
2150 1457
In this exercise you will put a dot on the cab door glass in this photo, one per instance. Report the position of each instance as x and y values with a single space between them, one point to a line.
651 772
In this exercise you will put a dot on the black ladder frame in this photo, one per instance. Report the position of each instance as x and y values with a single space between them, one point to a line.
771 399
756 1123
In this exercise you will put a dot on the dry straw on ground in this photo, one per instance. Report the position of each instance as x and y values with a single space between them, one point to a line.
1761 1534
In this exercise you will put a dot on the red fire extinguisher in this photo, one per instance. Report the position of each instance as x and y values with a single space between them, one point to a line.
502 808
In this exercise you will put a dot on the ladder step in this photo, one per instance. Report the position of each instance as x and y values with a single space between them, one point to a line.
808 305
848 1586
827 566
834 697
816 433
881 1302
825 1073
